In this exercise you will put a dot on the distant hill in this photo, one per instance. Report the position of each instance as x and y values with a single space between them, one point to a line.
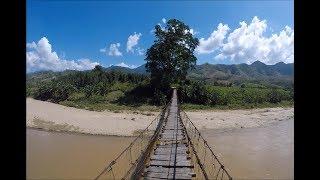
119 68
41 76
141 69
254 70
279 74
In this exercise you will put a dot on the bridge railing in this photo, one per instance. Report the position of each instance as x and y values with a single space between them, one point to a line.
125 165
207 164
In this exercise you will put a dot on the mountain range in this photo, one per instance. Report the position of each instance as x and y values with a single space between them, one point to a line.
253 70
280 74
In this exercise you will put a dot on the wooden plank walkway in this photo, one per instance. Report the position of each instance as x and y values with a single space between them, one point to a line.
170 158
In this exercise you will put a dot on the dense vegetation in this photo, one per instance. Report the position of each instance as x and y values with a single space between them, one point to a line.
94 89
116 90
245 95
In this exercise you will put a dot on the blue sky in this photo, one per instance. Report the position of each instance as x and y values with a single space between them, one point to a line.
78 30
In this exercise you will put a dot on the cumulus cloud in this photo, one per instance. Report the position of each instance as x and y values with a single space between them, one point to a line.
31 45
248 44
113 50
220 57
162 24
39 56
164 20
140 51
133 41
122 64
215 40
103 50
193 32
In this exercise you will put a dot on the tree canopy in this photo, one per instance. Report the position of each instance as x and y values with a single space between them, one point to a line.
171 55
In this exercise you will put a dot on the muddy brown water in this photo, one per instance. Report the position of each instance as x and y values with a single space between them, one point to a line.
52 155
256 153
253 153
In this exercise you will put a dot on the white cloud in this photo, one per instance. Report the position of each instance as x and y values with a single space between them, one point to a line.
248 44
193 32
103 50
164 20
113 50
41 57
31 45
122 64
220 57
140 51
162 23
133 41
215 40
152 31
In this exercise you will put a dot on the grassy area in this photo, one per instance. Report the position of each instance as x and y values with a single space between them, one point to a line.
146 109
102 106
190 107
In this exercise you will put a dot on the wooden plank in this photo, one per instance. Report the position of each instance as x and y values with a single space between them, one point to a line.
160 169
170 145
180 163
169 175
171 135
179 148
163 136
182 141
169 131
173 139
171 153
166 135
168 158
172 128
166 153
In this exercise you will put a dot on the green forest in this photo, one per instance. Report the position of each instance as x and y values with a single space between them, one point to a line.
115 90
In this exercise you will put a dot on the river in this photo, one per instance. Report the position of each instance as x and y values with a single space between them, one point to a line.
253 153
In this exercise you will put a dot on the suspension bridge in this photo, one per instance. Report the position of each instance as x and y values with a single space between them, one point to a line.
171 147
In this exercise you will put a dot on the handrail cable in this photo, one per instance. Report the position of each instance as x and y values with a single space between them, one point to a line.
109 167
206 145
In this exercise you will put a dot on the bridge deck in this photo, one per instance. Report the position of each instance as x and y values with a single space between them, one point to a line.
170 158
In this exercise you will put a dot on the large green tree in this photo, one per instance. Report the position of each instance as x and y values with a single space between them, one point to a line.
171 55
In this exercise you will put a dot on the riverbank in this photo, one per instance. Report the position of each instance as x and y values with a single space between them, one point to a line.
54 117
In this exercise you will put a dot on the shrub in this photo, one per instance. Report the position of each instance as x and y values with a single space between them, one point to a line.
121 86
159 97
76 96
44 92
96 99
114 96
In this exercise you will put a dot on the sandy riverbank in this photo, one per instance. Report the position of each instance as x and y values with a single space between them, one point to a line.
55 117
231 119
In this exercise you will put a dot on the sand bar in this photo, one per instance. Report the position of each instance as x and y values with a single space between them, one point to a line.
55 117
